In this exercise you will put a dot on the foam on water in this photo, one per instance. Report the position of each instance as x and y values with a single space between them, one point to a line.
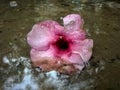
27 80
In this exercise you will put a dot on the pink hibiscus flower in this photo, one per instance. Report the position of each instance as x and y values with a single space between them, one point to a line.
62 48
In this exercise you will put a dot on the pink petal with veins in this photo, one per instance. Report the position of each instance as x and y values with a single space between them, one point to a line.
73 22
42 34
86 50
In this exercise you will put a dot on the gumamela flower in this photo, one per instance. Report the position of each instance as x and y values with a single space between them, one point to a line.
62 48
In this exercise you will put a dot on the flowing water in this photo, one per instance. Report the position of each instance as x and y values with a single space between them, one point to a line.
102 23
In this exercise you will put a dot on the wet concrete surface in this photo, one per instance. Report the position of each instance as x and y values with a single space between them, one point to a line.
102 23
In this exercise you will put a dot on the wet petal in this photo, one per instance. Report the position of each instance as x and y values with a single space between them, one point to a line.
76 60
41 35
73 22
84 49
76 35
36 55
47 61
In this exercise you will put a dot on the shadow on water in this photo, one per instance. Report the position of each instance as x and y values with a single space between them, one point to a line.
102 24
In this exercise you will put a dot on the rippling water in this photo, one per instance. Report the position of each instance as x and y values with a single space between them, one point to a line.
102 23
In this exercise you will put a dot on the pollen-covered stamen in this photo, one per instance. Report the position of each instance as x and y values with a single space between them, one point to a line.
62 43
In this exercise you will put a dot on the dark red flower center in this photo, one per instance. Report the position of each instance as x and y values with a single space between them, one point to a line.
62 43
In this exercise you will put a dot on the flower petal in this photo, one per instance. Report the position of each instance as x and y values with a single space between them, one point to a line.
40 36
76 35
39 56
73 22
47 61
76 60
84 49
